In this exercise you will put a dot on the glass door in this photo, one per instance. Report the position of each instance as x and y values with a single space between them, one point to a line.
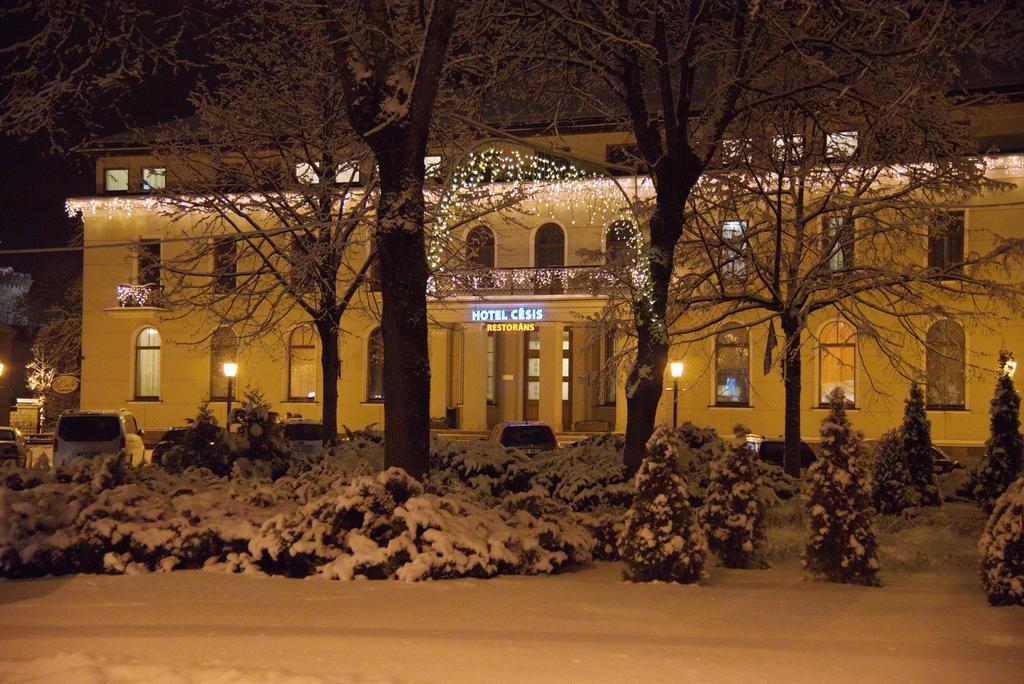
531 388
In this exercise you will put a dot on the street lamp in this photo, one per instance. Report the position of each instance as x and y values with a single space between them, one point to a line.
1009 368
230 370
676 368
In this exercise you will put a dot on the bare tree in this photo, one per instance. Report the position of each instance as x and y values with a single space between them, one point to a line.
680 75
57 350
853 208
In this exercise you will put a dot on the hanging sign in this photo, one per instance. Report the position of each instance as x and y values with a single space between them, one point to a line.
64 384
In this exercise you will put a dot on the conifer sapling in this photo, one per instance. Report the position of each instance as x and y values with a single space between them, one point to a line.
732 515
892 490
917 448
1001 464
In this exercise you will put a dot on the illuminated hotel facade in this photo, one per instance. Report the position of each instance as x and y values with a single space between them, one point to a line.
521 335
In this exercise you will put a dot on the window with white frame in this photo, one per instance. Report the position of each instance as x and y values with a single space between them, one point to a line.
837 361
789 148
302 364
147 365
840 146
734 234
732 365
945 365
837 236
154 178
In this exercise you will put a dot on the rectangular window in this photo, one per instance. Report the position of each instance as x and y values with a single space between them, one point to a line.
306 174
789 148
149 262
225 252
840 146
733 238
154 178
946 242
115 180
624 155
491 368
432 166
347 174
837 235
302 373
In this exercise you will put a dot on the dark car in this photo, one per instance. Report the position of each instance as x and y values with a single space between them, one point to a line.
771 450
942 464
530 437
170 438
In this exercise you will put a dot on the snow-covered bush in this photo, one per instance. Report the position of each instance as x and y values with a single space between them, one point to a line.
1002 549
891 487
662 539
841 545
586 475
1004 450
915 433
478 469
202 446
259 436
732 516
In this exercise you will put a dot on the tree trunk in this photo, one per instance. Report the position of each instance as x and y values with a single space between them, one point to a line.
791 369
403 285
330 370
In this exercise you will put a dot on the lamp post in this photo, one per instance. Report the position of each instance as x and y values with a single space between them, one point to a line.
230 370
676 368
1010 367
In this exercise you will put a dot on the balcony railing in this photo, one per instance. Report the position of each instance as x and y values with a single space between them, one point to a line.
133 296
592 280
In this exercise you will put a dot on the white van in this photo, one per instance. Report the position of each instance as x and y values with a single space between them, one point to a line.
84 434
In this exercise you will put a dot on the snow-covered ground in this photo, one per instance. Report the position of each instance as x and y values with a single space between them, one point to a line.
924 625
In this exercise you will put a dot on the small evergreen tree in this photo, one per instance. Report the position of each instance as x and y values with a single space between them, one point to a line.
202 446
916 432
260 436
662 539
732 516
1002 549
1001 464
891 487
840 542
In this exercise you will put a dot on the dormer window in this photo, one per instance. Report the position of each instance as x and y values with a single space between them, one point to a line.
347 174
840 146
115 180
154 178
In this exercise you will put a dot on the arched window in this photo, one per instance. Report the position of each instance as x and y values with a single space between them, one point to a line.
375 366
147 365
732 365
549 246
945 365
302 364
223 347
837 361
616 242
480 247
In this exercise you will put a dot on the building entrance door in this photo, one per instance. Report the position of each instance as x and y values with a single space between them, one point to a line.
531 369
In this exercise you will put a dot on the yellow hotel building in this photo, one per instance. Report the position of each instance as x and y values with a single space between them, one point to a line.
519 343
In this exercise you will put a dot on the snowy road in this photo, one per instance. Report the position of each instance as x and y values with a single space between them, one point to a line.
745 626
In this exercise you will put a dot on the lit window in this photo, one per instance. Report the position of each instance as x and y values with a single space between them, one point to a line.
375 366
147 365
946 242
115 180
789 148
148 262
491 368
347 174
305 173
732 366
154 178
839 146
733 238
225 260
945 365
223 348
837 361
480 247
837 235
432 165
302 364
608 368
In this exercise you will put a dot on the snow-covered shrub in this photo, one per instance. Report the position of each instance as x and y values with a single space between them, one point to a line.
1002 549
605 524
732 516
202 446
840 545
586 475
1004 449
479 468
259 437
891 487
697 448
662 539
915 433
954 485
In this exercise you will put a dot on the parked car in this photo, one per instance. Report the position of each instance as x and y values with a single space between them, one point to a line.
170 438
305 437
530 437
942 464
771 450
84 434
12 447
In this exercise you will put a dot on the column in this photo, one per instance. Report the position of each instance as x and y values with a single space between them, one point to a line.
550 407
583 339
621 376
474 398
440 356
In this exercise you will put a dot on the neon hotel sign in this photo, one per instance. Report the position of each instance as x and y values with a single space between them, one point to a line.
518 319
